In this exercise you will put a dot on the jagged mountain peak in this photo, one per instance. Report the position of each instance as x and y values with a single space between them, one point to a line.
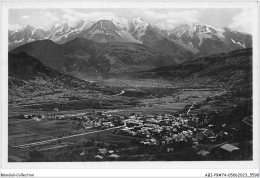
106 25
26 34
210 40
41 28
227 29
200 38
230 30
198 28
64 27
138 19
122 23
27 27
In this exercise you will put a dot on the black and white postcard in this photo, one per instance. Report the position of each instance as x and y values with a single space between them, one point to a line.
130 85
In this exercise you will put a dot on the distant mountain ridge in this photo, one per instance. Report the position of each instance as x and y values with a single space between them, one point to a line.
86 59
183 42
209 40
232 70
25 35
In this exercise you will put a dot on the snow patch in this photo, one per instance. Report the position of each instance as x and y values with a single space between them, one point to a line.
33 31
56 25
40 27
126 35
217 29
115 24
18 41
237 42
140 27
30 40
122 23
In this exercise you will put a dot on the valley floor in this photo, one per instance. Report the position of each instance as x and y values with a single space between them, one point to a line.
170 123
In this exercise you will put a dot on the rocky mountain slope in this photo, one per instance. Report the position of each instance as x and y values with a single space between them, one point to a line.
228 70
183 43
87 59
27 76
25 35
105 30
154 38
208 40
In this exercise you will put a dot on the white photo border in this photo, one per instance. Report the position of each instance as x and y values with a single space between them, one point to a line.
177 165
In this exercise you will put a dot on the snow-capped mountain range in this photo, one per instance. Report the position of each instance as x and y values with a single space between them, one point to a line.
209 40
184 40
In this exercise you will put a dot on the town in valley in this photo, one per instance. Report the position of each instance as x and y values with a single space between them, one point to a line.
123 89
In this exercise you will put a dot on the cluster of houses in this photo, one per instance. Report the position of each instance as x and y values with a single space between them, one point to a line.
98 121
175 130
32 116
83 121
165 128
169 130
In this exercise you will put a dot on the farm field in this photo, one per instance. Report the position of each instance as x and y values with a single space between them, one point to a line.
151 102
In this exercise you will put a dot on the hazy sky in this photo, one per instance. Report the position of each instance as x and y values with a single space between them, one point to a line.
237 19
